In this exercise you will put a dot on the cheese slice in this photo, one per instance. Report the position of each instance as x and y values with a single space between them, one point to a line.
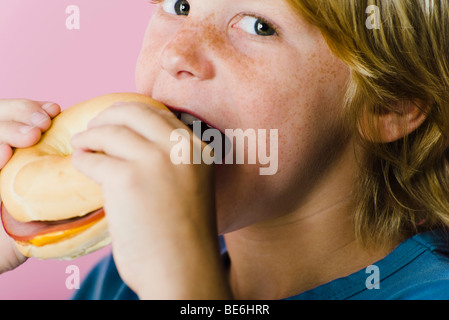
52 237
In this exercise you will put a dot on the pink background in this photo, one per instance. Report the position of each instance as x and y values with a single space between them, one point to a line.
41 59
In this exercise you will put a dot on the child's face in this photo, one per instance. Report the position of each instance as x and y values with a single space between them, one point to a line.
232 70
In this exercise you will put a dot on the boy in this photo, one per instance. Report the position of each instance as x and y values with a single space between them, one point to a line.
362 168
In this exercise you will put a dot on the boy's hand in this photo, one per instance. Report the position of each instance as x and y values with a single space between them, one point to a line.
161 216
10 257
21 125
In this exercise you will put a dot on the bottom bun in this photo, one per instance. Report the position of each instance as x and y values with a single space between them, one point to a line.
87 241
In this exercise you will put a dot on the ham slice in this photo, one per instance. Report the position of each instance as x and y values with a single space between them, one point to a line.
25 231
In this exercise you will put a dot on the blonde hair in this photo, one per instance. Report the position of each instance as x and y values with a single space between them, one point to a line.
404 185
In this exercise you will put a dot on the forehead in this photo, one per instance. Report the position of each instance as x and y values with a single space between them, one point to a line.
279 10
278 6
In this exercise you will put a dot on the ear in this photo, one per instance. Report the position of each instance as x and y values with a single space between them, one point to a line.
406 118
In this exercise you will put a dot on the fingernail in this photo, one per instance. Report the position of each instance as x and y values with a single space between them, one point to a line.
74 138
25 129
47 105
38 117
92 123
77 153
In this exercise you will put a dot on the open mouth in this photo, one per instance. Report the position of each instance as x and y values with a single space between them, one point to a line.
207 133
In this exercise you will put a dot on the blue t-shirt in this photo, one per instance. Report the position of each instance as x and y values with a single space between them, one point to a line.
418 269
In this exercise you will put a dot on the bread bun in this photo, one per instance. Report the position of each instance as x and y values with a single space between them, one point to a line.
39 183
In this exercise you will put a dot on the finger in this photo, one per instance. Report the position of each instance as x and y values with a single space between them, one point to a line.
28 112
172 119
18 135
152 123
10 257
117 141
5 154
96 166
51 108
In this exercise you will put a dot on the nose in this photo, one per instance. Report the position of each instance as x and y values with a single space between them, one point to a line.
186 56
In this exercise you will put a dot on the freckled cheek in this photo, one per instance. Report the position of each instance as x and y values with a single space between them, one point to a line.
143 77
302 109
260 97
269 100
148 64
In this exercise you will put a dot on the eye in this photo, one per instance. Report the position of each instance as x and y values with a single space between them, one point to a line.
178 7
256 26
